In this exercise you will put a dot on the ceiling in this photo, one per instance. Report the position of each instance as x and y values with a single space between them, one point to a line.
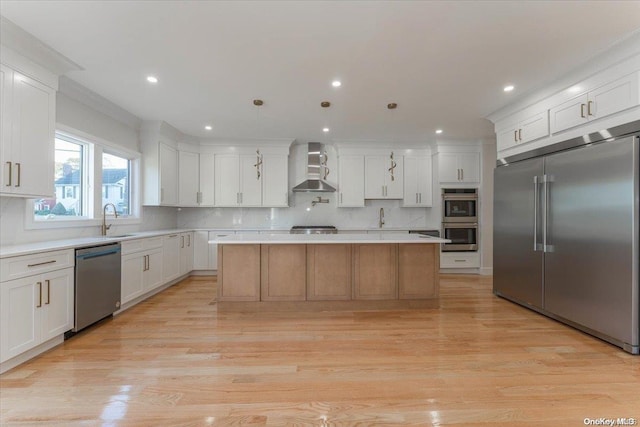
444 63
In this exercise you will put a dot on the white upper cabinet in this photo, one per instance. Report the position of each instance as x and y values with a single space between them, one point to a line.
529 129
227 180
168 175
418 181
459 167
251 180
207 179
238 180
160 168
383 176
275 187
611 98
351 181
189 178
27 135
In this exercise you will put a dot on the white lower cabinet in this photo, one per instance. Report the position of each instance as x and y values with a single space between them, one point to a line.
34 309
171 257
186 253
141 272
460 260
141 267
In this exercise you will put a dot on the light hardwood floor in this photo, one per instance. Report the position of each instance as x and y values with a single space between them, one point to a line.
175 360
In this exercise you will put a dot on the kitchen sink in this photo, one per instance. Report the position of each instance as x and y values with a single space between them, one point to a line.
121 235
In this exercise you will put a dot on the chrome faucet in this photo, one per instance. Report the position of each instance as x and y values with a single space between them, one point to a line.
381 218
105 227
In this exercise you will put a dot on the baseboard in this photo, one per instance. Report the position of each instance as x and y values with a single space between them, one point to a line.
204 273
30 354
486 271
460 271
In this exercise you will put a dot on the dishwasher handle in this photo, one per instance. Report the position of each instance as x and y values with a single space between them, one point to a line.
97 254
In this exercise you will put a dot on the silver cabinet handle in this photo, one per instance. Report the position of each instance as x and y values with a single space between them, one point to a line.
458 174
182 243
589 113
383 191
19 173
188 240
148 262
41 263
582 111
340 197
241 198
39 295
10 173
420 198
48 282
515 135
461 174
416 197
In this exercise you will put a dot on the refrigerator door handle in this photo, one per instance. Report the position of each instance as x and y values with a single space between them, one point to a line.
535 214
546 181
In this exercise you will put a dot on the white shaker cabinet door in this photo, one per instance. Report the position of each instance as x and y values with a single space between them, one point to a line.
133 267
168 178
207 179
227 180
351 181
171 257
20 309
251 177
32 139
448 170
275 187
58 309
374 181
153 275
189 178
469 164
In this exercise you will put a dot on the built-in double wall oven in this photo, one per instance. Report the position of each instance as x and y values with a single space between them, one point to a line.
460 219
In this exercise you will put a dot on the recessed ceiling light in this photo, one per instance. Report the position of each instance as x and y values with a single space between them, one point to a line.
325 129
509 88
152 79
438 131
208 127
336 83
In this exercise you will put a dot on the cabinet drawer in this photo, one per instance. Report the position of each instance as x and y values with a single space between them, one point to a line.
460 260
133 246
27 265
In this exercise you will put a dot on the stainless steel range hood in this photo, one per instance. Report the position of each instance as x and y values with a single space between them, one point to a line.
314 169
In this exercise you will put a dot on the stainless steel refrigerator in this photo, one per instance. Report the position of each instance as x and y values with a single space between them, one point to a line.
566 232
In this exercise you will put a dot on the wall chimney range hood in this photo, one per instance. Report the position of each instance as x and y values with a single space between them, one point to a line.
315 167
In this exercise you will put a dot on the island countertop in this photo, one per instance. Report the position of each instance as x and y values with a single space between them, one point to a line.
303 239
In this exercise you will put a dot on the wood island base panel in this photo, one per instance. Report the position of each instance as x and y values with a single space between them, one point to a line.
329 275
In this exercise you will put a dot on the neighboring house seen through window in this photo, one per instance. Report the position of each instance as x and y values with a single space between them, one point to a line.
87 176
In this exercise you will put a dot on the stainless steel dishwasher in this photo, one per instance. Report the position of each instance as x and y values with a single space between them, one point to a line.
97 284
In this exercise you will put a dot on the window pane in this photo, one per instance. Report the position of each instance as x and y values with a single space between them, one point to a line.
68 181
116 172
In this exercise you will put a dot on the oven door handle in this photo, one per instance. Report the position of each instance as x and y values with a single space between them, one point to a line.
460 225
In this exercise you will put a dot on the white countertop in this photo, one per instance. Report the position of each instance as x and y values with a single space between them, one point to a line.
54 245
302 239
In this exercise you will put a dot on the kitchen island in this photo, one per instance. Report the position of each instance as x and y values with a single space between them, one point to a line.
386 269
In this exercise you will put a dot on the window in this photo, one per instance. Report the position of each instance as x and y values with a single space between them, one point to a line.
116 173
69 181
88 175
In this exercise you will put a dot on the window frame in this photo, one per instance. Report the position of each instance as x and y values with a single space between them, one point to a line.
93 195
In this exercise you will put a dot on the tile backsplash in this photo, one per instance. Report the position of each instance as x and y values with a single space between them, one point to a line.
301 212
